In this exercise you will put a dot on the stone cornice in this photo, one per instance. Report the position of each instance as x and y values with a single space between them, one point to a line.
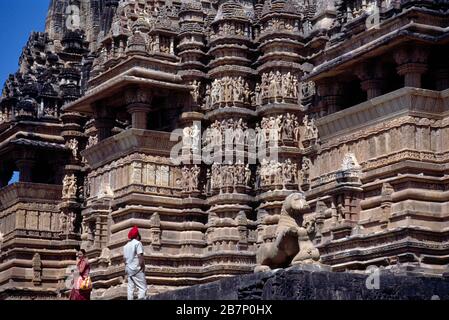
137 75
29 192
402 102
129 141
136 61
397 29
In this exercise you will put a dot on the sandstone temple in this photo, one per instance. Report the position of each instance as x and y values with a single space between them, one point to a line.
352 96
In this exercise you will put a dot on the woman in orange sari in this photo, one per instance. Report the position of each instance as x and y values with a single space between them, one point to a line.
83 270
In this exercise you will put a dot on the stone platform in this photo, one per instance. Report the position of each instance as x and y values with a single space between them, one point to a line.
304 284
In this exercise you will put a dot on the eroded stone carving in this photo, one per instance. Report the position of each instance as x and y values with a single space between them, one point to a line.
229 91
73 146
230 175
69 188
282 128
37 269
293 243
350 162
279 88
190 179
93 140
310 131
274 173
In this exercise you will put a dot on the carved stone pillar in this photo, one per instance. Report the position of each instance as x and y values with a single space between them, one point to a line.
138 101
412 64
25 167
442 78
104 122
371 75
97 240
331 93
139 114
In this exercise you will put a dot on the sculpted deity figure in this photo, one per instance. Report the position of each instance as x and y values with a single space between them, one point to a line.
185 178
195 178
190 178
247 175
196 136
247 93
196 90
207 98
307 89
215 93
294 234
350 162
62 222
52 112
187 137
73 145
93 140
265 87
310 129
260 138
306 166
69 187
215 176
208 181
71 222
258 95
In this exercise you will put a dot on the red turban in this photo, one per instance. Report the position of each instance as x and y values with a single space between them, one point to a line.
133 233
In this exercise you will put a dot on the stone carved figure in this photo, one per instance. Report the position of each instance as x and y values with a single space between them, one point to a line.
229 91
308 89
274 173
279 88
73 145
37 269
350 162
93 140
305 169
190 179
228 131
283 128
310 130
230 175
191 137
294 234
69 187
196 90
207 98
62 222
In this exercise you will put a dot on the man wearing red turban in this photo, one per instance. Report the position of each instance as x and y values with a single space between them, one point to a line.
133 233
135 265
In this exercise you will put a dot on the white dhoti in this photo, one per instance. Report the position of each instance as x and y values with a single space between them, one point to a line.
136 280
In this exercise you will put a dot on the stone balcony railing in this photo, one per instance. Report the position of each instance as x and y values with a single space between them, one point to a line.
29 192
29 209
353 9
402 102
156 143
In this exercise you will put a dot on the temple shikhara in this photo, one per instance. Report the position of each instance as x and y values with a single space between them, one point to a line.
350 98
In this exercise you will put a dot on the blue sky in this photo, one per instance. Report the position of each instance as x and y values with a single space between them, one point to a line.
17 19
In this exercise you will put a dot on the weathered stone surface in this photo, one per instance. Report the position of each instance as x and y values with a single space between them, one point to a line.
299 284
350 96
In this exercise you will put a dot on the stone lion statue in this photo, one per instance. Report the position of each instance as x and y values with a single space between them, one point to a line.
294 234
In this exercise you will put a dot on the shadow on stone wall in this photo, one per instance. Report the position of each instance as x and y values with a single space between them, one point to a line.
301 284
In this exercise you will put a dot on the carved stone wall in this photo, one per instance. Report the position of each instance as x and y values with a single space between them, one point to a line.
356 114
